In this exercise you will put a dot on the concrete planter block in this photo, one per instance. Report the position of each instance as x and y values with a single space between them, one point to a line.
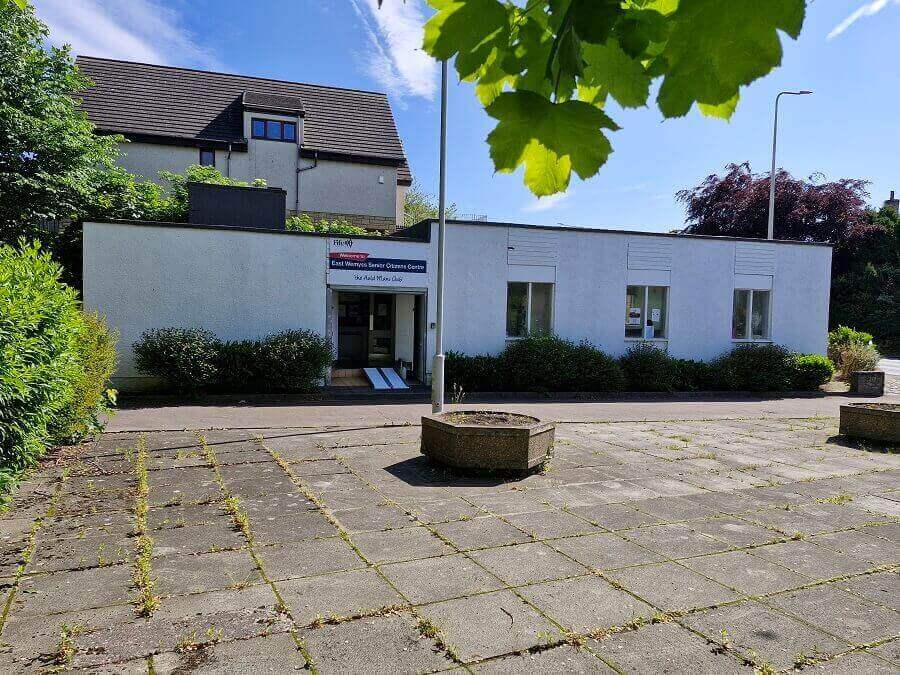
516 447
867 382
872 421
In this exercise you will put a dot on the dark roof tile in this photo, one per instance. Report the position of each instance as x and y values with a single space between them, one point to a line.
139 98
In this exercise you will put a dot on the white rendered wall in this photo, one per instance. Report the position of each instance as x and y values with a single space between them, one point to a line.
236 284
332 187
589 294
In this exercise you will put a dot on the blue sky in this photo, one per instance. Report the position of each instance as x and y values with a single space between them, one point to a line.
848 54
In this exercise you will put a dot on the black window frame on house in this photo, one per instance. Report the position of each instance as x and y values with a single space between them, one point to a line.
267 136
211 154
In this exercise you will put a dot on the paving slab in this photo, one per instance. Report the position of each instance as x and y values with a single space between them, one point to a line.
434 579
527 563
852 618
764 635
562 659
605 551
746 573
504 623
70 591
586 604
816 562
183 574
337 594
267 654
670 586
483 532
306 558
409 543
400 647
664 648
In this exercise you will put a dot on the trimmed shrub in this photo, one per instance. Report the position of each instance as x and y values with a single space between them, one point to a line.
858 357
539 362
237 367
695 376
480 372
185 358
647 368
811 371
592 370
293 360
95 348
753 367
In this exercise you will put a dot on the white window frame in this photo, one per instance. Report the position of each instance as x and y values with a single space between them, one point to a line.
528 306
646 287
753 292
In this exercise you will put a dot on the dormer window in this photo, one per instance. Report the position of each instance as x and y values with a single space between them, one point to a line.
273 130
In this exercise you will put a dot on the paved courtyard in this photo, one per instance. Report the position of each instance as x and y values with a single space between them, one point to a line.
683 546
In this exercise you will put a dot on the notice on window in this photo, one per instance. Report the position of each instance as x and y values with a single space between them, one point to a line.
655 315
634 316
366 262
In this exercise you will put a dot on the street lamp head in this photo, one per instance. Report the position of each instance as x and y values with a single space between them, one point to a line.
804 91
801 92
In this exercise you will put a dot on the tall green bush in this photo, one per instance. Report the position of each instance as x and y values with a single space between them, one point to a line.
538 362
648 368
811 371
54 360
95 349
39 327
592 370
190 360
294 360
479 372
757 367
184 357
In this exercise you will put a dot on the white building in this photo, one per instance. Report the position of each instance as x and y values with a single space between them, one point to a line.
694 296
336 152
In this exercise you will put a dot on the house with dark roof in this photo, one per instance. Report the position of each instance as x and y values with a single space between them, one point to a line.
336 152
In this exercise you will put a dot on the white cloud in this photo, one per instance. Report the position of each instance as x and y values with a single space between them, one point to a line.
869 8
546 203
395 58
136 30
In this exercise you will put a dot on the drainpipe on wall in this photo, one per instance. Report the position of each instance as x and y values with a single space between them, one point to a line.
299 171
228 162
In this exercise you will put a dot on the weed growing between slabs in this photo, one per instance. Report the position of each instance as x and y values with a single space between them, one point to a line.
142 574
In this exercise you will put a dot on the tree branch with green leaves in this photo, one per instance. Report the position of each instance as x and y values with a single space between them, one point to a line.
546 70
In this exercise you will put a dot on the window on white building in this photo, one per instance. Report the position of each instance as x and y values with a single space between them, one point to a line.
529 308
646 306
207 157
751 315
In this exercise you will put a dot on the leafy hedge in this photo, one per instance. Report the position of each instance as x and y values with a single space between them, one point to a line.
549 363
190 360
55 361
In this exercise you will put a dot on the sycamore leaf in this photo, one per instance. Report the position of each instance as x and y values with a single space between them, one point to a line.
464 27
723 110
550 139
712 49
613 71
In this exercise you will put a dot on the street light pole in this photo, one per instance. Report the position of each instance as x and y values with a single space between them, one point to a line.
771 230
437 368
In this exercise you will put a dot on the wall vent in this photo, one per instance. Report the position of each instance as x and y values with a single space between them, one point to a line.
647 254
754 259
531 247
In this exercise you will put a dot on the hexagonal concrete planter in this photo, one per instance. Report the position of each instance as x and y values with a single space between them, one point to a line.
872 421
491 441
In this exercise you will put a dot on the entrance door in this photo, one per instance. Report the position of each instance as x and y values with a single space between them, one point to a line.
353 330
381 329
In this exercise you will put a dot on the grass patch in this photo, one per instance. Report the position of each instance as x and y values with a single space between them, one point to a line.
142 573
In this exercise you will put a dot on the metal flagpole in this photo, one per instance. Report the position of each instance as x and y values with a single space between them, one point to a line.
437 369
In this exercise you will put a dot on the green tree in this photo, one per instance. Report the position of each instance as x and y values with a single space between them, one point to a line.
50 159
419 205
544 69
